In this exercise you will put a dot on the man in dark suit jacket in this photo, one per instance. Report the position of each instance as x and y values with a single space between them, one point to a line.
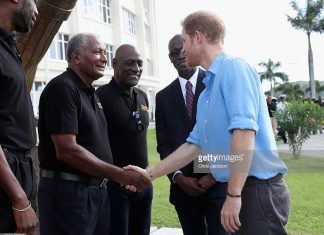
197 197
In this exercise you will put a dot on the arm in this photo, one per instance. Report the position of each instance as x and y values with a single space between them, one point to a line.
186 153
25 221
242 143
70 152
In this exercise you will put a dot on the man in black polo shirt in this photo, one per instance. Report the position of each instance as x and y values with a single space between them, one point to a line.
74 152
126 111
17 129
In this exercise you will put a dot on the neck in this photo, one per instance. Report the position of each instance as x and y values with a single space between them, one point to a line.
87 81
210 52
187 74
128 90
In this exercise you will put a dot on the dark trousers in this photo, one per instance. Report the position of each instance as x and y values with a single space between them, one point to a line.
203 215
130 211
21 165
70 208
265 209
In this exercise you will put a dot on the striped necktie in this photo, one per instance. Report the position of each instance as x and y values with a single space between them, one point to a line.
189 99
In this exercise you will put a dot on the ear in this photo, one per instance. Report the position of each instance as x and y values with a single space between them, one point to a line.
198 36
114 63
75 58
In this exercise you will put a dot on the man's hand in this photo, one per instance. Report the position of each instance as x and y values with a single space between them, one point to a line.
26 221
230 214
189 185
207 181
134 180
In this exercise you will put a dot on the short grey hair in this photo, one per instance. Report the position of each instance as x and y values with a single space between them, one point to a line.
77 43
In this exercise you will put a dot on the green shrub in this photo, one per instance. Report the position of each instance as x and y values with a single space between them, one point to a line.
299 119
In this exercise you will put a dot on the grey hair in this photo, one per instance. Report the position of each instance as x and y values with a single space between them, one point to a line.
77 43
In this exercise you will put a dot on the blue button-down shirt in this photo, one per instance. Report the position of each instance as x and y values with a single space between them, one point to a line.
233 99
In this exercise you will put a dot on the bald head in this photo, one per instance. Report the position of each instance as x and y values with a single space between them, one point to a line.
125 49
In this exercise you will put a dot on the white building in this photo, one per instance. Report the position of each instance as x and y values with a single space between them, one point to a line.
116 22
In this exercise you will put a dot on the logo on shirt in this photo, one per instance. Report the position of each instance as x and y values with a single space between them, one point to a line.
144 108
99 105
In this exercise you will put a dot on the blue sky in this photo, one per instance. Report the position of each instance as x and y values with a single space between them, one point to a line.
255 30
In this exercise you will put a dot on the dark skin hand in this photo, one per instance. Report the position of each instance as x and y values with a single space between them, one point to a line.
70 152
207 181
189 185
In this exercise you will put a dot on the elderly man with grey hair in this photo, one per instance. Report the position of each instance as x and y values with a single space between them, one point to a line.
74 152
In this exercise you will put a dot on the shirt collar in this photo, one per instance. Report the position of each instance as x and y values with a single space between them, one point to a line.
120 90
193 80
4 34
8 37
213 69
80 83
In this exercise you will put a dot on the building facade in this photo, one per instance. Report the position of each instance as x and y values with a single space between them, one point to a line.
116 22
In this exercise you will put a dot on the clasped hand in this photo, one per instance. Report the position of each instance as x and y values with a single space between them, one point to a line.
142 174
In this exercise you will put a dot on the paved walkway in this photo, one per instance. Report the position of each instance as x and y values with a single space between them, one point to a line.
166 231
313 147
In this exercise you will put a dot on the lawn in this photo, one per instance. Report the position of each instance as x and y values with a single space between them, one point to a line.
305 181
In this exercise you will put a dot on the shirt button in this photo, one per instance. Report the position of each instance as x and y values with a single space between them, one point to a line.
205 121
207 101
206 141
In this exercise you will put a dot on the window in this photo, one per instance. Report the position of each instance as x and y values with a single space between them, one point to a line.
104 6
147 33
149 67
98 9
110 55
58 46
129 22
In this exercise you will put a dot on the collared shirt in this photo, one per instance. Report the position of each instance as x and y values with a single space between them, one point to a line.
17 123
233 99
68 106
127 123
192 80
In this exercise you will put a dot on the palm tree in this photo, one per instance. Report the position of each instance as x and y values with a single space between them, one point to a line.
293 91
270 73
309 20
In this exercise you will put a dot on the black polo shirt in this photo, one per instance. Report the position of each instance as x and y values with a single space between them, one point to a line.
17 126
68 106
127 136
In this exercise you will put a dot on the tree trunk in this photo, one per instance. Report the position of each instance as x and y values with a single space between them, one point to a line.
271 86
34 45
311 69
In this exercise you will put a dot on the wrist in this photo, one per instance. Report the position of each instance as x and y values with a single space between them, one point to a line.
22 209
150 174
178 178
233 195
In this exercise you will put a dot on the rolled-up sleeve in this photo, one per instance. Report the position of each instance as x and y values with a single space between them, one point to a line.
241 95
194 136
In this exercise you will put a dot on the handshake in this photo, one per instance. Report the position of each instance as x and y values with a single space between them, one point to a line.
135 178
